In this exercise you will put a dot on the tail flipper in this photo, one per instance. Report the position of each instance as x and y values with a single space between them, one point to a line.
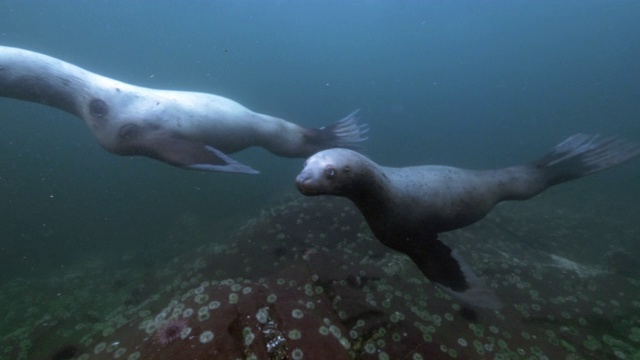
581 155
447 269
345 133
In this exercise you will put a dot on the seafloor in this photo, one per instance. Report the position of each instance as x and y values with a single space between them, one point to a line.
306 280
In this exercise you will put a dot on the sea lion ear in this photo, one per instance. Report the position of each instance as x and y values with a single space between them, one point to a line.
192 155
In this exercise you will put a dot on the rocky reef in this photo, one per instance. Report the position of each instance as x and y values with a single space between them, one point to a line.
307 280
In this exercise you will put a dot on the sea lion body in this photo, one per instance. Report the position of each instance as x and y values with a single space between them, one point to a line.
187 129
407 207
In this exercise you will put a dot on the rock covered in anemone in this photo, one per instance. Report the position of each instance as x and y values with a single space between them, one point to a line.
306 280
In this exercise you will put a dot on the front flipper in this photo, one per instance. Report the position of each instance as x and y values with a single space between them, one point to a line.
229 165
192 155
447 269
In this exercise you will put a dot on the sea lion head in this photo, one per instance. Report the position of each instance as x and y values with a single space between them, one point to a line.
329 172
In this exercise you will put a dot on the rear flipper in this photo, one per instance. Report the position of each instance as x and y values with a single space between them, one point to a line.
581 155
447 269
345 133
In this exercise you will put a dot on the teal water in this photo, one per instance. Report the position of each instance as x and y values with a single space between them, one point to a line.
477 84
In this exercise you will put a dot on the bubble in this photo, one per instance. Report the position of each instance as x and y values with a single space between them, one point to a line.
112 347
394 317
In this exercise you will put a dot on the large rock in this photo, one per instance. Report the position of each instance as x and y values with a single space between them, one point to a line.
306 280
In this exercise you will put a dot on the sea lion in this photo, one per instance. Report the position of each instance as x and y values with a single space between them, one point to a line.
186 129
407 207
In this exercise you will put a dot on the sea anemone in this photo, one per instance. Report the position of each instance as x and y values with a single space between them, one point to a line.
171 331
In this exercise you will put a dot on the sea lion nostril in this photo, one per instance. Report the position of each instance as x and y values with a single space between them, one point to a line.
98 108
302 178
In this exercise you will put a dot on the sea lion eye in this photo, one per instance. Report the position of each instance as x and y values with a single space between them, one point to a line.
330 172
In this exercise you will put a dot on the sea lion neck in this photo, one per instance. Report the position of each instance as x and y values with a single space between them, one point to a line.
371 187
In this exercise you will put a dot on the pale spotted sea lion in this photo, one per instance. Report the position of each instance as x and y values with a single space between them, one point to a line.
407 207
186 129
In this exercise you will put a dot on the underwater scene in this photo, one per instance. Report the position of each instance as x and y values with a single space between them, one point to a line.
170 187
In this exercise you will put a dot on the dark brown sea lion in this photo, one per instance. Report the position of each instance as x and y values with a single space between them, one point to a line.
186 129
406 208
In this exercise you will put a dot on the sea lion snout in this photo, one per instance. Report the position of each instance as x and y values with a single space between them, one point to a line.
304 182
